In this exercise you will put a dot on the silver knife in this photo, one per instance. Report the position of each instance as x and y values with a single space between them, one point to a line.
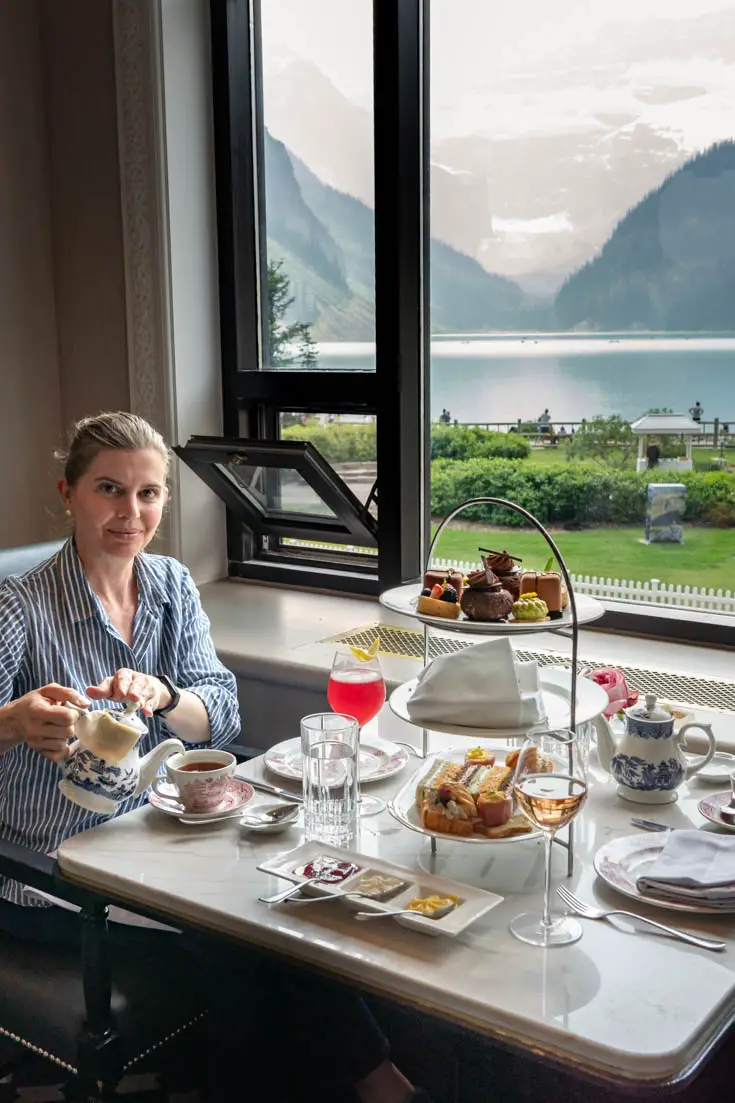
650 825
265 787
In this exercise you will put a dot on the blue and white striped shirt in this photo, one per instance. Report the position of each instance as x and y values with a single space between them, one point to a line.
54 628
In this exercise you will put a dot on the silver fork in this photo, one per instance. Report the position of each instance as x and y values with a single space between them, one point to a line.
586 911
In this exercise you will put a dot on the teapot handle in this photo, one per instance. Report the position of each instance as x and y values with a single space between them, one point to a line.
697 765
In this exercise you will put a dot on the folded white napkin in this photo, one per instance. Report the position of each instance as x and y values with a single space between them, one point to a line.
696 866
483 686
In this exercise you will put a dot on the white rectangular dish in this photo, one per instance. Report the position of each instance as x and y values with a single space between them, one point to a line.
474 902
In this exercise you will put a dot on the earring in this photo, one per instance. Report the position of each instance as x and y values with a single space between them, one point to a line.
68 512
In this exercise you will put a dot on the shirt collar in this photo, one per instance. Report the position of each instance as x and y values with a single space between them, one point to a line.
81 600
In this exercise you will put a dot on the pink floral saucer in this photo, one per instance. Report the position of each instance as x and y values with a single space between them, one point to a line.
710 809
238 794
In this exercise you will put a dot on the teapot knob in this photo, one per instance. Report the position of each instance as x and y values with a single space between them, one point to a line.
650 702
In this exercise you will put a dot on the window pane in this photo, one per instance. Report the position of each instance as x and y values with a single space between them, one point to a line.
318 143
277 490
347 443
582 177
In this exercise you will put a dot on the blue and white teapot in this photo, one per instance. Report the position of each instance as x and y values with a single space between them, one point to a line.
647 761
103 767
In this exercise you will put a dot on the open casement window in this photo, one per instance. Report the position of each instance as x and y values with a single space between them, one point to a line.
289 509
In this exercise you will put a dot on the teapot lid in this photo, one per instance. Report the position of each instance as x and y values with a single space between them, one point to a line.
129 717
649 710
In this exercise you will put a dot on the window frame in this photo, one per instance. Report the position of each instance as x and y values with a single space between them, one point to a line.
396 393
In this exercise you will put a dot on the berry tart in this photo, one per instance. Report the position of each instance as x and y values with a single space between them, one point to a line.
439 601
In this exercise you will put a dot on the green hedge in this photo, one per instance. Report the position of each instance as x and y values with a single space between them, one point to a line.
458 442
578 493
344 442
338 443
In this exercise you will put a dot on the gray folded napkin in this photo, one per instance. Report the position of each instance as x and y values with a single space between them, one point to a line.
694 866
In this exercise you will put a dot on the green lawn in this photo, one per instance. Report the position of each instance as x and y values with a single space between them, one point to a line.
705 558
550 455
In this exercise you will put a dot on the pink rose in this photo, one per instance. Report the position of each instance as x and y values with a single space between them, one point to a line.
613 682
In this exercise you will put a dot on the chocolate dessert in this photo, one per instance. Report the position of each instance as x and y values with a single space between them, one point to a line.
505 567
547 584
484 598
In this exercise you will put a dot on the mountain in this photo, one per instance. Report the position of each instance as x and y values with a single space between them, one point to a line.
325 240
670 262
537 151
339 149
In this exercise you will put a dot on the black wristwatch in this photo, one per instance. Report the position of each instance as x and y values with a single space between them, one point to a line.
175 696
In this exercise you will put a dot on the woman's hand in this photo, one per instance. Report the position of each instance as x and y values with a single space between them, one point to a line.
129 685
43 722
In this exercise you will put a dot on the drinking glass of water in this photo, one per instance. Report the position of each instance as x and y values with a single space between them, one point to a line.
330 748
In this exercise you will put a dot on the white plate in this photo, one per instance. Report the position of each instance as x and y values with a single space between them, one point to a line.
239 792
621 862
556 692
379 759
710 808
717 770
403 805
475 901
402 599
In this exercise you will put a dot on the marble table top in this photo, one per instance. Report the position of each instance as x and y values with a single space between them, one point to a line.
621 1003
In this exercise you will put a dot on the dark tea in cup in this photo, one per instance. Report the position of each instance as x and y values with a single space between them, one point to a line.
200 779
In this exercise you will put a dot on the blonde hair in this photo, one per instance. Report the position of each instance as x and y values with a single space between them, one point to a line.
118 430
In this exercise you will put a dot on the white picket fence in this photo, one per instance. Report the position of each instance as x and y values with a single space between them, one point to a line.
652 592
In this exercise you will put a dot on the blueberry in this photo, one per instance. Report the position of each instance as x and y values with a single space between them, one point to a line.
426 592
450 594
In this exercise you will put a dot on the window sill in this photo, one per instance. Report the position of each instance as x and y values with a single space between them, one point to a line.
262 631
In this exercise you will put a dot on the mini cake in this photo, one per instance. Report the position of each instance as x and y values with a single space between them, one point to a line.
494 807
484 598
439 578
530 607
478 756
504 566
439 602
547 584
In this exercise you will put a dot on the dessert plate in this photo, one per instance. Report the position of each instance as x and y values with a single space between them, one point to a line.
710 808
718 769
238 794
402 599
555 690
621 862
474 902
379 759
403 806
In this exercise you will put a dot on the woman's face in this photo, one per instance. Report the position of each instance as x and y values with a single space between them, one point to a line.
118 502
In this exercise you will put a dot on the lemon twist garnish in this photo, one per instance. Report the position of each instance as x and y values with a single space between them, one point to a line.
366 656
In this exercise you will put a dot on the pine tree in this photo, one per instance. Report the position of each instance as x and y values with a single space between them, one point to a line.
289 344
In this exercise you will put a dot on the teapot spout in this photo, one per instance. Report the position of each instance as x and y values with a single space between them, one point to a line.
605 742
150 765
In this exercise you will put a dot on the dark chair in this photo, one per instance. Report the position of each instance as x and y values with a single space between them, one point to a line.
19 560
97 1020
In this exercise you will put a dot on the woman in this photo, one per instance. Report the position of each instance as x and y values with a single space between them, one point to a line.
103 621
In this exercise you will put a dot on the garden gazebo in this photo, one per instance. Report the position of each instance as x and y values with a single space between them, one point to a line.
666 425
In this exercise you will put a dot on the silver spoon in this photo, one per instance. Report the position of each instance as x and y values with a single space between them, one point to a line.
284 813
438 914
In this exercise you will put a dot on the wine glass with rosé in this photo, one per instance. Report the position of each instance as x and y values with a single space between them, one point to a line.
549 789
357 688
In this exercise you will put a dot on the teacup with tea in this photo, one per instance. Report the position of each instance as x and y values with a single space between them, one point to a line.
200 779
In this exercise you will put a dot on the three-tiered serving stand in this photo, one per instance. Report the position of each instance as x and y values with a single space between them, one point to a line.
581 610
